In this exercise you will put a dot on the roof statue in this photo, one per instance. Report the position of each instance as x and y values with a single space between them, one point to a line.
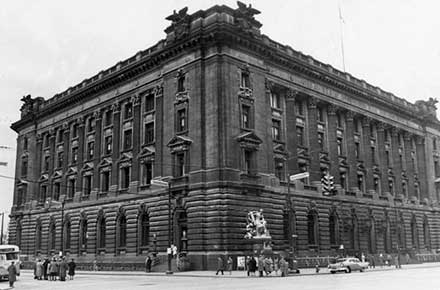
428 107
244 18
180 23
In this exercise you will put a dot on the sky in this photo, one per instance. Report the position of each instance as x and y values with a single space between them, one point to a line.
46 46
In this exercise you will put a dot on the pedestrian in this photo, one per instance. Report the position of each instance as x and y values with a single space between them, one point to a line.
53 270
45 266
268 265
284 267
62 269
261 265
252 266
381 262
12 274
276 265
148 264
317 269
95 265
72 267
39 270
229 265
220 265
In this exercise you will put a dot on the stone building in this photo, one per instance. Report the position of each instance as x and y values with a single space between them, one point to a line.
225 115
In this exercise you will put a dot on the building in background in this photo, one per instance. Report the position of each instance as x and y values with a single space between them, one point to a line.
225 114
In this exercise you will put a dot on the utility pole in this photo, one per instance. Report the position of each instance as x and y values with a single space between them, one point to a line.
1 235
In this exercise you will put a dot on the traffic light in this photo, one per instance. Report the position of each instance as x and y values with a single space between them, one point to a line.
328 185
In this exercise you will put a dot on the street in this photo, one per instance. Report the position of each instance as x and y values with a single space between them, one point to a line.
416 277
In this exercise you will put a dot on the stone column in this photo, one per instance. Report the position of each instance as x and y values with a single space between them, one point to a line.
66 148
158 123
409 164
292 148
314 148
367 157
351 155
81 136
397 167
97 154
333 144
382 158
421 165
116 108
137 121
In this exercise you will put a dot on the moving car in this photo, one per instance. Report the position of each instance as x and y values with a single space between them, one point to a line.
347 265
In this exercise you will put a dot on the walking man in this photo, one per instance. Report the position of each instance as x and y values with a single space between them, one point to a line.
148 264
12 271
72 267
220 265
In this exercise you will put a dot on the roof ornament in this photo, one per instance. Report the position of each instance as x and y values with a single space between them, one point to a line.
244 18
428 108
180 23
30 105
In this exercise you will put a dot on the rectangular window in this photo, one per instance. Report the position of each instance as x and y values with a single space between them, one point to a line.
56 190
90 150
74 155
105 181
108 145
43 193
339 146
149 133
356 125
181 84
87 185
46 140
181 120
248 161
376 184
74 130
387 156
24 168
343 180
125 177
373 154
149 102
300 135
279 170
339 120
180 164
275 100
321 140
245 80
361 182
128 111
127 139
276 130
71 188
46 163
147 173
60 159
91 125
60 136
320 114
245 116
436 168
299 108
108 118
357 150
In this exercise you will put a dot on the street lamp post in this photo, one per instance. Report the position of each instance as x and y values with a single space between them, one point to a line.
169 249
62 228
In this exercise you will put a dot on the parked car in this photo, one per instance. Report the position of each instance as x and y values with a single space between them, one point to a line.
347 265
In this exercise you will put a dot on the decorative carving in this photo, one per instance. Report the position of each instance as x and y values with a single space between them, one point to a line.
245 20
268 85
381 126
180 23
350 115
366 121
158 90
136 100
332 109
312 102
97 115
116 107
291 95
428 108
256 226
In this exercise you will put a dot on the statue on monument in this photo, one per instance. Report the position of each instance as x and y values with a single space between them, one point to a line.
256 226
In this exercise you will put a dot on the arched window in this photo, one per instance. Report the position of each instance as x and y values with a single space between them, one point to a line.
312 228
38 234
121 231
52 235
83 234
101 230
333 229
426 234
414 233
67 234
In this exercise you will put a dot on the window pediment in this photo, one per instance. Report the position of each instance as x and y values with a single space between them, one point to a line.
88 166
249 140
57 174
179 143
72 170
44 177
105 162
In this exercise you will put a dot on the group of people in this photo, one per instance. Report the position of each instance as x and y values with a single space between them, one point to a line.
53 269
268 266
224 264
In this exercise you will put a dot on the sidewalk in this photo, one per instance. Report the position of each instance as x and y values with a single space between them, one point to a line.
242 274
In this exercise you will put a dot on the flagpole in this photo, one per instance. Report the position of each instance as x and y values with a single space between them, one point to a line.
341 21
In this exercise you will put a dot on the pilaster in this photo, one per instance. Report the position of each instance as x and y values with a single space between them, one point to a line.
397 167
366 156
97 155
66 148
314 148
292 148
333 145
116 108
382 159
351 155
136 142
421 165
409 164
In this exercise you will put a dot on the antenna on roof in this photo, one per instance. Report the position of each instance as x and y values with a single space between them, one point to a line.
341 23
